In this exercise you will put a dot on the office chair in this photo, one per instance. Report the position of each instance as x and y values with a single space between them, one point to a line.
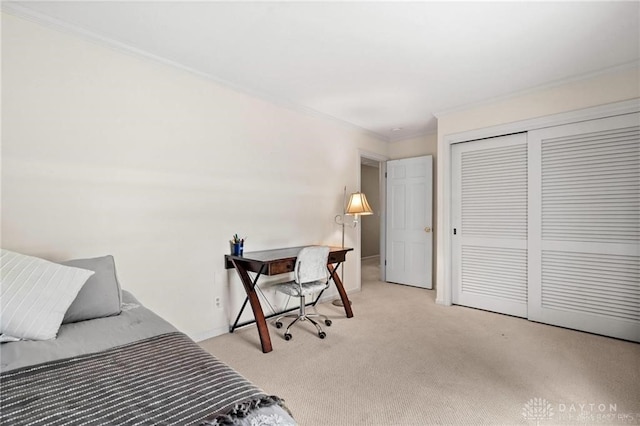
310 276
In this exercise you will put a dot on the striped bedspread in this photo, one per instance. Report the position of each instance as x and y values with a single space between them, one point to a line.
164 380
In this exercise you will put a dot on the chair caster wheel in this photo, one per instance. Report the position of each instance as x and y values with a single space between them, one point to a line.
327 322
322 335
287 336
278 324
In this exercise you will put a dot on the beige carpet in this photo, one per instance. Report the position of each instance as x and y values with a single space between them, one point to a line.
403 360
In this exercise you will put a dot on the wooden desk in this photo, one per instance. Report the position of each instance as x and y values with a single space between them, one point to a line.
274 262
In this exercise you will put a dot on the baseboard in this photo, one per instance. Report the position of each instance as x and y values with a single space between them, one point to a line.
331 298
370 257
442 302
208 334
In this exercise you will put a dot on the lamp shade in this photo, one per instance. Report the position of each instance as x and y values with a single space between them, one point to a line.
358 204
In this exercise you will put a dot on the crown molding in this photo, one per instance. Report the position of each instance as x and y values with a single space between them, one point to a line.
551 85
628 106
26 13
414 135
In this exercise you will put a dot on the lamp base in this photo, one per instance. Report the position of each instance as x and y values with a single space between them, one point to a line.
338 302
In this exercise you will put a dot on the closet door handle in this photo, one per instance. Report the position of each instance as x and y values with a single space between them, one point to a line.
427 229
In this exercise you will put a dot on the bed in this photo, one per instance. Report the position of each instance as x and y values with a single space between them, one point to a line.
126 368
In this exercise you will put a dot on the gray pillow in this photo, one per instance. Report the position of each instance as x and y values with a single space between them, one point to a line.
101 295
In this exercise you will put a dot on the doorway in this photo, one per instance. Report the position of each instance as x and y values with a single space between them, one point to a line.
370 186
370 224
372 230
416 268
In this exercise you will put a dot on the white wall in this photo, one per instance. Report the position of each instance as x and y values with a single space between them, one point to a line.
414 147
492 118
104 152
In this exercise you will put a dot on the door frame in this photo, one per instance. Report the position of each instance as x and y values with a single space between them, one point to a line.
444 175
382 170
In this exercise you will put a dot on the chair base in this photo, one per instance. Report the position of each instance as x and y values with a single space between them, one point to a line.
303 317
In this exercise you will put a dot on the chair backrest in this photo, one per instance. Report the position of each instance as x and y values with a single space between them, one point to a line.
311 264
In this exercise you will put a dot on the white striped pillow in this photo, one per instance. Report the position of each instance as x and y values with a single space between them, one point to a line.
34 296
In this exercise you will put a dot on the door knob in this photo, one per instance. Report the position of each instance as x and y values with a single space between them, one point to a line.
427 229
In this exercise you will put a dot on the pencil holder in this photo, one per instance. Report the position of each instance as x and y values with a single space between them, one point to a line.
237 249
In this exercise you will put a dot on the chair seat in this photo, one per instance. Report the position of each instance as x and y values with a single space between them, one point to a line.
293 289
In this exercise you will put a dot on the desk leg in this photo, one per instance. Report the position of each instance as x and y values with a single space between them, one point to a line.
343 294
263 331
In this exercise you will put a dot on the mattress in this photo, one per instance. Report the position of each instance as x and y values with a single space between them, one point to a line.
133 368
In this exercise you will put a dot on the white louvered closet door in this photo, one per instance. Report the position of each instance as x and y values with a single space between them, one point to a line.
584 234
489 187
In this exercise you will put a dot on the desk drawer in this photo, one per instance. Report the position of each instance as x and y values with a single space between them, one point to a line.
281 267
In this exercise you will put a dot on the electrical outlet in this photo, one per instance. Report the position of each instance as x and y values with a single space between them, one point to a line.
218 302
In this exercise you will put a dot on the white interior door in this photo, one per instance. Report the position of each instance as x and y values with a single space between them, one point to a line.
409 221
489 245
585 226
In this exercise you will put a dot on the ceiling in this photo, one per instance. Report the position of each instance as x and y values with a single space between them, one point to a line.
385 67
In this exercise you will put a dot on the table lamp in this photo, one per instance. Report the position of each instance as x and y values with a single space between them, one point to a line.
356 207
